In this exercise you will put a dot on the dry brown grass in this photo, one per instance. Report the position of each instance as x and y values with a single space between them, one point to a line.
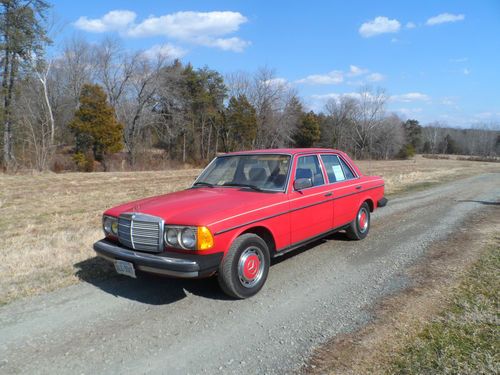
418 173
48 222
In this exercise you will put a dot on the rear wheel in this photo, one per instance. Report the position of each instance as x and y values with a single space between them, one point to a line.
244 269
360 226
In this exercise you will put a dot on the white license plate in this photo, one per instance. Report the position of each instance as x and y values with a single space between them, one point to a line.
125 268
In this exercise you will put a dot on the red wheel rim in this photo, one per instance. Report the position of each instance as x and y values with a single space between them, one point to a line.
251 267
363 220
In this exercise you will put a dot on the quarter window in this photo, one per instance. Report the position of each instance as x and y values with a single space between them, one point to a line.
348 172
309 167
336 169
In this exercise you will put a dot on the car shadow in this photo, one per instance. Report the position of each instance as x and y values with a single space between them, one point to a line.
147 288
154 289
486 203
338 236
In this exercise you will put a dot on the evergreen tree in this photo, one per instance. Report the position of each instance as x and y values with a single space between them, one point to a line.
308 131
96 128
240 128
413 133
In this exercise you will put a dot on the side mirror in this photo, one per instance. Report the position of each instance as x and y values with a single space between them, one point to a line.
302 183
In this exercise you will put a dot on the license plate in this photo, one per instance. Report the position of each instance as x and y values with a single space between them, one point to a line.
125 268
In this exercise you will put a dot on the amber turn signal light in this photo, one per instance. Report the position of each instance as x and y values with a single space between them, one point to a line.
205 239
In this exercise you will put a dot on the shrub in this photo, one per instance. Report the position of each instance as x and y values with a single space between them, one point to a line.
84 162
407 151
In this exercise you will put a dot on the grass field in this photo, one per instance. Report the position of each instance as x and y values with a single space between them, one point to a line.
49 222
465 337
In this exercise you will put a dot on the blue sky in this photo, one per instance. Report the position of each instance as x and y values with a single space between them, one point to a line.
438 60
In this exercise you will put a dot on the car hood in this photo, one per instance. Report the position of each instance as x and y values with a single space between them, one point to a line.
200 206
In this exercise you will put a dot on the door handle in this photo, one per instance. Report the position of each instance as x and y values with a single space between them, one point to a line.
358 187
329 194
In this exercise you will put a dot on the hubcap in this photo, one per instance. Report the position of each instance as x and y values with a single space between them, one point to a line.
251 266
363 220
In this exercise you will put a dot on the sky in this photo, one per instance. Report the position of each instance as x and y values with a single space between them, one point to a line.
437 60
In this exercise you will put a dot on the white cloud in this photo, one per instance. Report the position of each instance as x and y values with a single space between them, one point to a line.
410 25
487 116
116 20
445 18
410 97
356 71
379 25
336 77
333 78
466 71
278 81
166 51
234 44
190 25
201 28
375 77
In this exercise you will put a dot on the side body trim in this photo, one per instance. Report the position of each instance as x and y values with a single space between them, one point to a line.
307 241
295 209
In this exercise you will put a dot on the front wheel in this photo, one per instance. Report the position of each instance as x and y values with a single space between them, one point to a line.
359 227
244 269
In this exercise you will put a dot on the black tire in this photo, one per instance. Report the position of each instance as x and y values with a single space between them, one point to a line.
247 252
359 227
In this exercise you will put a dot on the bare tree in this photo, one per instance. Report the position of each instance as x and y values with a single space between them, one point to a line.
42 72
138 99
369 113
270 97
238 84
35 121
114 68
388 137
173 107
341 112
75 68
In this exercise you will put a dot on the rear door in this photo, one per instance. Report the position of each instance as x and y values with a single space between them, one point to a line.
345 185
311 209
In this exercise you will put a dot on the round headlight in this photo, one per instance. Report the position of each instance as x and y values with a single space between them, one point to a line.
107 223
114 227
171 236
188 238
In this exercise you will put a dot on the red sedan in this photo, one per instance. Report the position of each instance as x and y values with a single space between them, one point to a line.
244 209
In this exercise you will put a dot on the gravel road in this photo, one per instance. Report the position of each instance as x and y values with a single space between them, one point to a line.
156 325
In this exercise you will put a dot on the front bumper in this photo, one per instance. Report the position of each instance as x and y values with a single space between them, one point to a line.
171 264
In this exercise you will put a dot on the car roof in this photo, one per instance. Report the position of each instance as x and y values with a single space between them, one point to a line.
287 151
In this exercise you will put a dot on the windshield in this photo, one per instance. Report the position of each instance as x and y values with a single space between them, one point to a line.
258 172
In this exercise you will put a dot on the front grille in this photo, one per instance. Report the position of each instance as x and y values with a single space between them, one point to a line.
141 232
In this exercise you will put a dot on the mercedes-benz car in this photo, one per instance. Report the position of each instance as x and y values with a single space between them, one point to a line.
244 209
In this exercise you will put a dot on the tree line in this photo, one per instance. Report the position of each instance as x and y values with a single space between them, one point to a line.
96 100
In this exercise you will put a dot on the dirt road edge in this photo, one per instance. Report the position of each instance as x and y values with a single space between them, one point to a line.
400 316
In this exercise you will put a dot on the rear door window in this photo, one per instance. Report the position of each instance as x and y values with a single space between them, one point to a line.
336 169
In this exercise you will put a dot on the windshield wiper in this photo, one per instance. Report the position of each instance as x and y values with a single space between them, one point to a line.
250 186
201 183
